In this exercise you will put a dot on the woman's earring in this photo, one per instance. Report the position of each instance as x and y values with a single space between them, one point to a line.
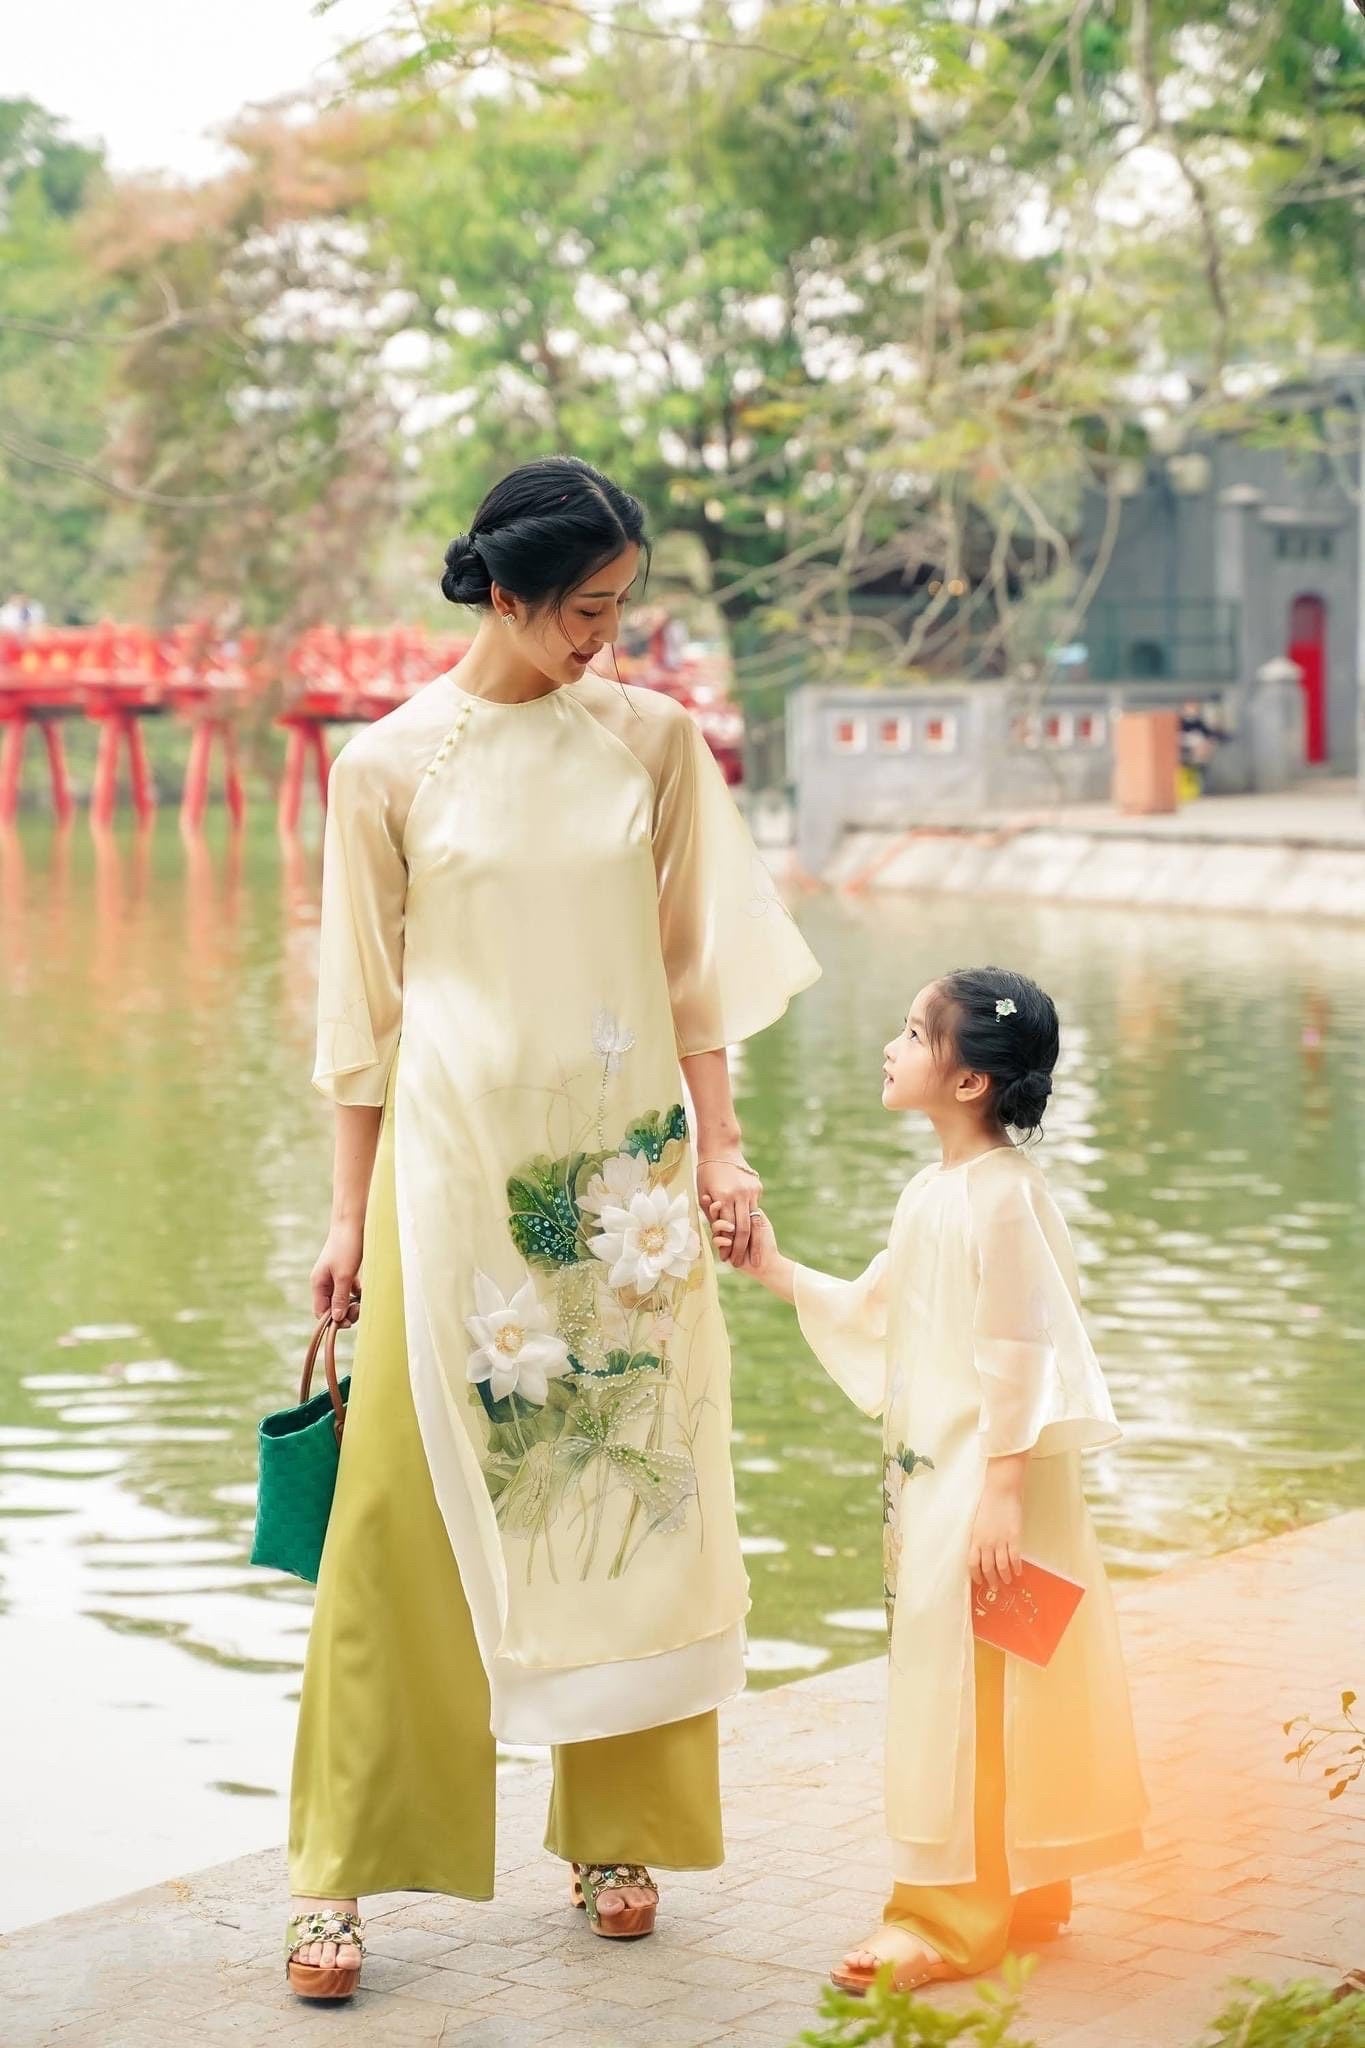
509 618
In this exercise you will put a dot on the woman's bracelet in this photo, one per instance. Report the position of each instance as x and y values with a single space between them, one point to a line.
751 1171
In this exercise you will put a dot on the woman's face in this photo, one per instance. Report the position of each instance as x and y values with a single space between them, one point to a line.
562 643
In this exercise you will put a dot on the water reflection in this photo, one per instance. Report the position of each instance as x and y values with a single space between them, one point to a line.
165 1190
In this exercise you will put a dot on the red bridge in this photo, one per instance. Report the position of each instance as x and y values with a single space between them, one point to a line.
120 675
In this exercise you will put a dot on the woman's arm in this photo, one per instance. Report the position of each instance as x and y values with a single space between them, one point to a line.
727 1186
338 1264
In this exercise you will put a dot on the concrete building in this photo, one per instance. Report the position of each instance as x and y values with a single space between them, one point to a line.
1232 561
1230 554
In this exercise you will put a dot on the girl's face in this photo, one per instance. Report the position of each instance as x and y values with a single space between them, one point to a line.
562 643
913 1078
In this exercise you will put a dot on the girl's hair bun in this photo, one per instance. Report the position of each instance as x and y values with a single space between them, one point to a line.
1022 1103
466 579
995 1022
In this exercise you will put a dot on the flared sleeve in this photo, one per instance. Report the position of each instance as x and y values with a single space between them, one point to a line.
733 956
844 1322
360 959
1041 1385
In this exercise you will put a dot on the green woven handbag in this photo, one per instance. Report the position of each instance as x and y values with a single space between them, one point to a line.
298 1451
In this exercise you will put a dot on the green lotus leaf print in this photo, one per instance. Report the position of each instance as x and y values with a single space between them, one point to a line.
543 1212
648 1135
617 1362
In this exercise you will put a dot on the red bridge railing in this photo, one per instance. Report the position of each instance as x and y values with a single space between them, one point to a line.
119 676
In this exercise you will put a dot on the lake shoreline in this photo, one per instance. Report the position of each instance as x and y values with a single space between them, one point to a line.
1296 854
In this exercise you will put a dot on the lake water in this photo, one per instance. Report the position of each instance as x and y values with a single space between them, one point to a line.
164 1191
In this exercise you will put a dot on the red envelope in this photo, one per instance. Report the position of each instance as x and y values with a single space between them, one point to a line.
1029 1616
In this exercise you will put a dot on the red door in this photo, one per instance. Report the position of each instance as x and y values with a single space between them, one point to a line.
1308 647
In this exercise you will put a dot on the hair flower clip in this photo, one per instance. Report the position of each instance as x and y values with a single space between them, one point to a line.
1005 1008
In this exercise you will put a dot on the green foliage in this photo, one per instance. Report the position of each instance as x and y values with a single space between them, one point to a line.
861 298
60 537
902 2020
36 157
1306 2015
1343 1739
877 391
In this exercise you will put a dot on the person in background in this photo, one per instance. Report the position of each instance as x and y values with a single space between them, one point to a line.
19 614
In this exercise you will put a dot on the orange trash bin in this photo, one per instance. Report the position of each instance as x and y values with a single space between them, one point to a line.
1146 762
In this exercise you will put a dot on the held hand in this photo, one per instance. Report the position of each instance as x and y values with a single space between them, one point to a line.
993 1554
335 1288
728 1190
766 1262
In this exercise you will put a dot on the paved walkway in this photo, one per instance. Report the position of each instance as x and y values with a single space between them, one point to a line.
1298 853
1249 1871
1325 812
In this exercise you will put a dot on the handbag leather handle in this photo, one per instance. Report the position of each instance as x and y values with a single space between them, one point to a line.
325 1341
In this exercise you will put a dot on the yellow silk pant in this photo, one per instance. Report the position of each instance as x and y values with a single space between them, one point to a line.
394 1764
973 1925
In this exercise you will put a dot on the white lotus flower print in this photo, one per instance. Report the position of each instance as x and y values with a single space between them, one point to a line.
646 1239
621 1178
612 1039
517 1350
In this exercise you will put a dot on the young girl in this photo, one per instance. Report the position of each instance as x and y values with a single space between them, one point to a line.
1004 1779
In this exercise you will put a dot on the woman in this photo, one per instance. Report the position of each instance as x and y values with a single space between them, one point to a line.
536 880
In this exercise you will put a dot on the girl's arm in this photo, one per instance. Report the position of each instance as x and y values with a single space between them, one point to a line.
1041 1389
338 1263
993 1555
767 1264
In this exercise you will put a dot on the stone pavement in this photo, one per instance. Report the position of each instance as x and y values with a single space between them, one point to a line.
1323 812
1296 853
1249 1871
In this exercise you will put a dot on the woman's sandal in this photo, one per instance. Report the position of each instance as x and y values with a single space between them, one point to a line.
323 1980
590 1880
905 1976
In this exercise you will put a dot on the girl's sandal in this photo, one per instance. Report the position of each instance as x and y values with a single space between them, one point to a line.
323 1980
858 1980
590 1880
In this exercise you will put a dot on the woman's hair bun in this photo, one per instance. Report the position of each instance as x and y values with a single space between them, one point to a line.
541 532
466 579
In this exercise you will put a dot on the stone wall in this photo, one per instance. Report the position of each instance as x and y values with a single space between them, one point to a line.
892 759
